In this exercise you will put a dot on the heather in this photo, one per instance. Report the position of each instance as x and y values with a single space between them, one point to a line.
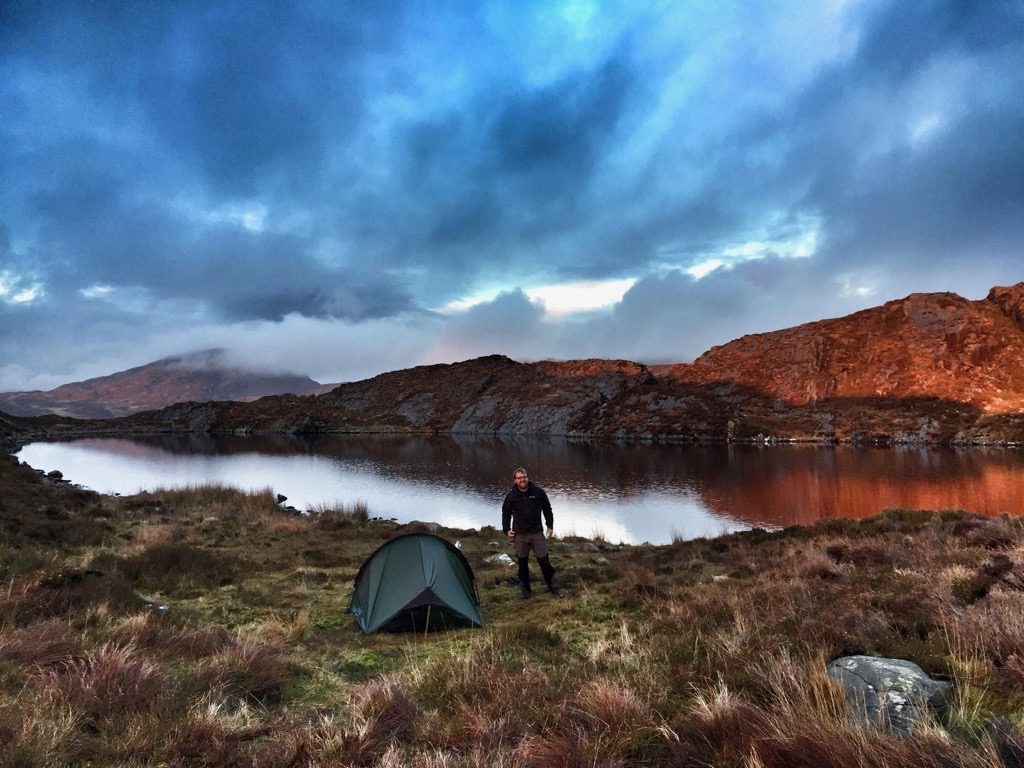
206 627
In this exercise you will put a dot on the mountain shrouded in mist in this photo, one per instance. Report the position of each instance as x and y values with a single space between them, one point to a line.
200 377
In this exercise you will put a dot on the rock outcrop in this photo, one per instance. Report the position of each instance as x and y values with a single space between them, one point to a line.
1010 301
492 395
891 694
936 345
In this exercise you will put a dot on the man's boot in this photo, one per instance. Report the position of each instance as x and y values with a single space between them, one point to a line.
549 576
524 577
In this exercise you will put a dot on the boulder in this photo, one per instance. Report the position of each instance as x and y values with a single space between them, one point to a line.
889 693
499 557
419 525
1010 300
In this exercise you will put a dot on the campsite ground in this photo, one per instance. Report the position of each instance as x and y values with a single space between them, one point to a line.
205 627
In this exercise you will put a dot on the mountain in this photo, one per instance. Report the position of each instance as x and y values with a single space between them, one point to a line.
929 368
926 345
200 377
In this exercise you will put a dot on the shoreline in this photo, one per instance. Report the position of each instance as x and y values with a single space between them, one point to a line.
12 442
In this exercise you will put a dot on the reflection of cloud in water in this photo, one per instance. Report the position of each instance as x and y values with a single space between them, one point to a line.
628 493
121 466
654 517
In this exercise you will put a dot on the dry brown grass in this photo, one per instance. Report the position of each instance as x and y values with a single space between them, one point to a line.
41 738
40 644
701 653
173 566
161 633
338 516
216 732
807 725
381 715
819 565
217 501
65 592
249 670
107 686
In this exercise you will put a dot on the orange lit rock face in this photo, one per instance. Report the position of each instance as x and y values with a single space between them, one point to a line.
926 345
1010 301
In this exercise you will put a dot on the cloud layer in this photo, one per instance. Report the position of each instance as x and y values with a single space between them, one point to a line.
309 183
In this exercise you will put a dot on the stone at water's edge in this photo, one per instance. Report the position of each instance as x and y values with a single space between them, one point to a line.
890 693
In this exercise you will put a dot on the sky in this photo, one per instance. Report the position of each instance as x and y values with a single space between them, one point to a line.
344 188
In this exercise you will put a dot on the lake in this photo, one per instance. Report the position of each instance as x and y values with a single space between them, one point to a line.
624 493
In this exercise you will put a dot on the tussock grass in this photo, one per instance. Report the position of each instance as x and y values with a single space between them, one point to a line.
65 592
249 670
206 627
48 739
165 635
40 644
338 516
212 500
108 685
171 566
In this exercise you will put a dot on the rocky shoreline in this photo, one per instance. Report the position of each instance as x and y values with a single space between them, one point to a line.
71 429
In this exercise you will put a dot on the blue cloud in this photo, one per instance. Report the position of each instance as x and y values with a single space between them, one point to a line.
260 162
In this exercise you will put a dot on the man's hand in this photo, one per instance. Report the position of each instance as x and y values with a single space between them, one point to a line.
551 532
511 534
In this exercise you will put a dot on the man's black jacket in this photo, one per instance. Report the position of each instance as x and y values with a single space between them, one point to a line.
521 510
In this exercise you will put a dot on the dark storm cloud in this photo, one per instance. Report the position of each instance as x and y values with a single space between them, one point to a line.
553 136
208 163
510 171
904 36
236 92
270 301
195 108
949 196
959 199
255 94
241 106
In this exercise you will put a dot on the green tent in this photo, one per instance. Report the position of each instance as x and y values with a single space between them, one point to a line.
417 581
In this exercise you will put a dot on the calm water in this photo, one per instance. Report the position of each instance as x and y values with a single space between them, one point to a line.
628 493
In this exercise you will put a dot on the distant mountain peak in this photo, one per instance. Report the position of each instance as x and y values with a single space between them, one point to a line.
201 376
215 357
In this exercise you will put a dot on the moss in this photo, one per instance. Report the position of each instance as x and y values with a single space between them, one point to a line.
359 665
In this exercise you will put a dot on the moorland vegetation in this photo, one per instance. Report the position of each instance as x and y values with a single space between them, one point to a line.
205 627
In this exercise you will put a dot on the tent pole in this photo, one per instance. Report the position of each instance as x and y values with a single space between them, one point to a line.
426 626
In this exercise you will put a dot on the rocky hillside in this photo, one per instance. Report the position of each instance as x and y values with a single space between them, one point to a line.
930 368
489 394
201 376
926 345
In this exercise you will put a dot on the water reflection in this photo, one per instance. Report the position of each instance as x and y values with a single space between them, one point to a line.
627 493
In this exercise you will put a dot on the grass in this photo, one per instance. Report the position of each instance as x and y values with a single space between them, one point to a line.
339 515
205 627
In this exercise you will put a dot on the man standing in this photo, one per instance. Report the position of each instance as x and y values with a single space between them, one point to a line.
521 521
